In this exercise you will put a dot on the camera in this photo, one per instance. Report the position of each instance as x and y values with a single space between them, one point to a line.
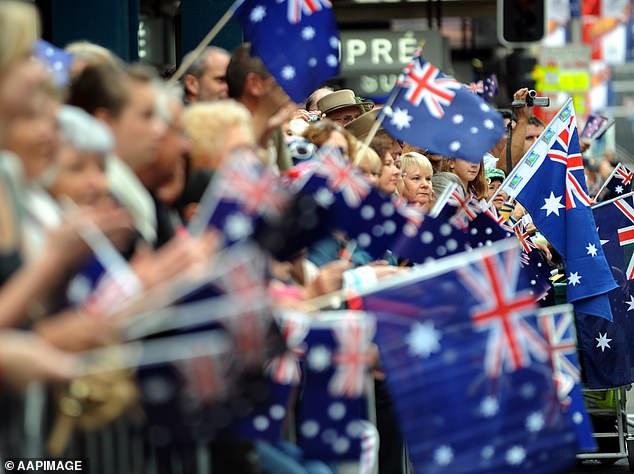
532 101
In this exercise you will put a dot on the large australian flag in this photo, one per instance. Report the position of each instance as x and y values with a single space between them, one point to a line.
297 40
469 368
550 184
607 347
437 113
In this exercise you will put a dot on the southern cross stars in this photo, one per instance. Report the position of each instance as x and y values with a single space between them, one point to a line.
574 279
630 303
552 204
592 249
423 339
400 118
602 341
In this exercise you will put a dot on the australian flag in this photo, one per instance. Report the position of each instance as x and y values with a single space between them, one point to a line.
486 88
352 205
242 195
57 61
607 347
550 184
437 113
297 40
620 180
468 369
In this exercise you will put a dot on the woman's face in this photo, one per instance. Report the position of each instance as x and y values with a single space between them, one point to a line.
80 177
417 187
501 196
370 175
389 175
18 84
466 170
34 136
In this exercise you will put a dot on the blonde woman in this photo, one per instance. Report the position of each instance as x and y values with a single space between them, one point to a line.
368 161
216 128
416 173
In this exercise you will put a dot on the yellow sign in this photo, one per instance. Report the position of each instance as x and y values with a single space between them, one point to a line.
554 79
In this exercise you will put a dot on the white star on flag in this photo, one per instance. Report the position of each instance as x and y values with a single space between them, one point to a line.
592 249
535 422
602 341
400 118
574 279
618 189
308 33
288 72
319 358
257 14
332 60
489 407
602 242
423 339
552 204
324 197
630 304
238 226
515 456
443 455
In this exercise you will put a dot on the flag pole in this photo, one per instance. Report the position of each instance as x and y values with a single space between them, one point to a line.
605 183
379 119
511 174
204 42
604 203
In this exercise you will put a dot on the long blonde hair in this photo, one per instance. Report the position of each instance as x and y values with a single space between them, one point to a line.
19 29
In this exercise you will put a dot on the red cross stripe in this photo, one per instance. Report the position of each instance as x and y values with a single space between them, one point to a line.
561 344
204 377
285 368
476 87
468 210
560 152
344 177
511 340
257 190
524 238
353 336
624 174
421 83
626 234
307 7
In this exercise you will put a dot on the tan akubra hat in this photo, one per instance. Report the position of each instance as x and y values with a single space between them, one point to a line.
339 100
360 127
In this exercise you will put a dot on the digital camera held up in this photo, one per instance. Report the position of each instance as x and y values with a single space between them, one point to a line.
532 100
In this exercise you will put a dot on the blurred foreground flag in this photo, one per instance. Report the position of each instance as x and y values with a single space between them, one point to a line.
469 368
550 183
437 113
297 40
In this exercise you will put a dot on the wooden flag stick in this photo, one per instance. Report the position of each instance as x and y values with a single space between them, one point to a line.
204 42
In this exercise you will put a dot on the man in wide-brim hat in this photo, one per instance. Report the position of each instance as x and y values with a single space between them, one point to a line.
342 106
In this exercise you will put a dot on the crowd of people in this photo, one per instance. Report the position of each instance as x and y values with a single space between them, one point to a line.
121 153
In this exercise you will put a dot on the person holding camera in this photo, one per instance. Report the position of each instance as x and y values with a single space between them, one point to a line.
525 128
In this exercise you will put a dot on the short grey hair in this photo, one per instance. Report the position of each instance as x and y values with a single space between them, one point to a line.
83 132
442 180
197 68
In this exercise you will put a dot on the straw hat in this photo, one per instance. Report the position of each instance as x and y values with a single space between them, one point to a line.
360 127
339 100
